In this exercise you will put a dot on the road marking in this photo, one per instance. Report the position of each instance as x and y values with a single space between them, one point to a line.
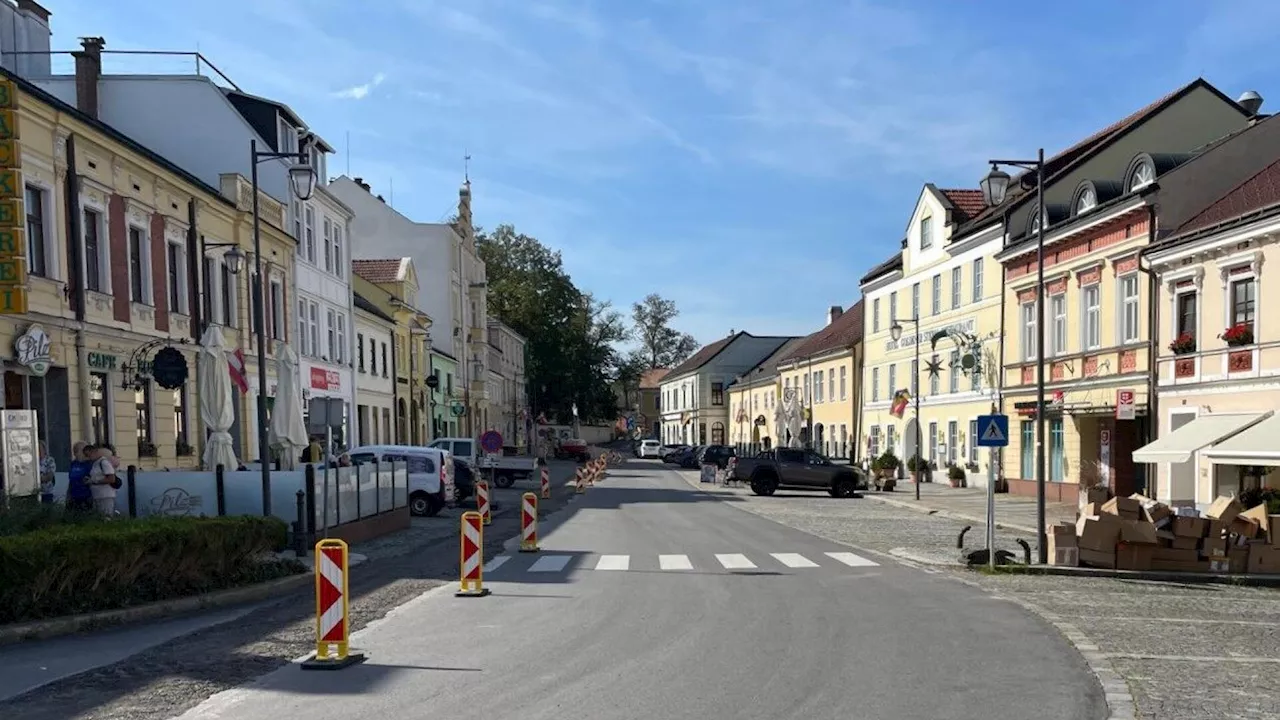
1192 658
793 560
852 560
674 562
496 563
614 562
735 562
550 563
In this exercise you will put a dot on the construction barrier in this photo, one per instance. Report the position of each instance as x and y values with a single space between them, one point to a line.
546 484
482 501
591 474
580 479
471 561
529 523
333 629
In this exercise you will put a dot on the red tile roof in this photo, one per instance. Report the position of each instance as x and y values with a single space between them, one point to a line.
378 271
968 202
845 331
651 379
1260 192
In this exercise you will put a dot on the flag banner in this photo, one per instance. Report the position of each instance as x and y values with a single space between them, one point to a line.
901 399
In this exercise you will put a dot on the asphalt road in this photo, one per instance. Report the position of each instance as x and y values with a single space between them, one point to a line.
651 599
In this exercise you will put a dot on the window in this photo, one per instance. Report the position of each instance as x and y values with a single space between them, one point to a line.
915 300
933 442
934 380
1242 302
93 252
807 396
180 416
891 438
953 442
1143 175
893 380
817 387
331 329
717 433
228 280
956 371
142 410
915 377
37 263
1029 331
926 233
360 352
875 315
831 384
309 234
1027 469
1129 316
1092 300
304 346
176 261
100 407
328 245
977 280
1058 313
1185 315
843 379
1057 451
973 442
208 274
875 384
341 357
296 206
873 442
937 294
893 307
717 396
955 287
1087 201
975 380
385 368
277 310
139 280
338 268
314 328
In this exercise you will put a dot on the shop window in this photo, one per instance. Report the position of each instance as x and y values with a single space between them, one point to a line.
142 411
1057 451
1027 469
100 407
180 416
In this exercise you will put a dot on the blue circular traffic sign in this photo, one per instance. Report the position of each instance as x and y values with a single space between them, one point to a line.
491 441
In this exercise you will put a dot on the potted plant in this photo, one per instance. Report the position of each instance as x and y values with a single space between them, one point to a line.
184 449
889 470
1185 343
956 475
1238 334
147 448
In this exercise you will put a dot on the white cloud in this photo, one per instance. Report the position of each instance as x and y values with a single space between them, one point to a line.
360 92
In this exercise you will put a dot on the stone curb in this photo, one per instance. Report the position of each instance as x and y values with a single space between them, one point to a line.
70 624
1268 580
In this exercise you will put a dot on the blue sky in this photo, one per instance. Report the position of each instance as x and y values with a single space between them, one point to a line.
750 159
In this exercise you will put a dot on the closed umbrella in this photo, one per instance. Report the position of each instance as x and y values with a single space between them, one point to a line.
288 432
216 408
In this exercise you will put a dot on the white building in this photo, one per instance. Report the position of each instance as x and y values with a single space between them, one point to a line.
694 395
375 382
508 403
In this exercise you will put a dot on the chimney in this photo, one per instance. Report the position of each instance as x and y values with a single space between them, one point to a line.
34 40
384 200
834 313
362 183
88 72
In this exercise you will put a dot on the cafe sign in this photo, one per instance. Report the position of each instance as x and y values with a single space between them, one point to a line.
34 350
13 216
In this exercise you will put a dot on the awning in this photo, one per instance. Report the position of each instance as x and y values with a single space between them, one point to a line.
1178 446
1257 445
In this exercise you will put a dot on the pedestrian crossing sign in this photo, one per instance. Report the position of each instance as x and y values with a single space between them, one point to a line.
993 431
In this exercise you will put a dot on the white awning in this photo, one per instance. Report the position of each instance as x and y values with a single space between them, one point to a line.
1259 444
1206 430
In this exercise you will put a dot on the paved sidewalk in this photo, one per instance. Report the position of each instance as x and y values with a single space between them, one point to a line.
1016 512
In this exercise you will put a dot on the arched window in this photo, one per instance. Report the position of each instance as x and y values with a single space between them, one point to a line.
1144 174
717 433
1087 201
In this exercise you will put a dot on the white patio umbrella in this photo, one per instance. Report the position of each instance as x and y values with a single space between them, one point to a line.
288 432
216 408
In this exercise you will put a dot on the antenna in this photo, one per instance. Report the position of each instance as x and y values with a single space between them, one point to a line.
391 192
348 153
466 165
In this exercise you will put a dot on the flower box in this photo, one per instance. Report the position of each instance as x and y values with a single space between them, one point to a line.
1185 343
1238 335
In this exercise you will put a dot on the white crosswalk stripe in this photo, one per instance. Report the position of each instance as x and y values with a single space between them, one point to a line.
613 562
674 562
735 562
496 563
794 560
502 565
550 563
852 560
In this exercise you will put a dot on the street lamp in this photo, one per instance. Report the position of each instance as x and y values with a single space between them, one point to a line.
994 187
896 332
302 180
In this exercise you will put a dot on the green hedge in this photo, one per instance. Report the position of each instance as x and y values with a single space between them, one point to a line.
83 567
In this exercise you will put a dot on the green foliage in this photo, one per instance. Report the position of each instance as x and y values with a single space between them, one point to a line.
661 346
955 472
889 461
88 566
25 517
1256 496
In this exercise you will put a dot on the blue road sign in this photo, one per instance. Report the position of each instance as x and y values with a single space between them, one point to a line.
491 441
993 431
631 423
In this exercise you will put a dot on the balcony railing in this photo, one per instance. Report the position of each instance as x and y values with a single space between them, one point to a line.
130 62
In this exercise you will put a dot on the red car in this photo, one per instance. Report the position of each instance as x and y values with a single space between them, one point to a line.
573 449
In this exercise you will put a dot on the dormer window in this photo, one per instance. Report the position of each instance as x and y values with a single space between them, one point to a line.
1034 225
1144 174
288 141
926 233
1087 201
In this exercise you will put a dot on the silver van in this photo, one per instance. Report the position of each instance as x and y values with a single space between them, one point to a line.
430 473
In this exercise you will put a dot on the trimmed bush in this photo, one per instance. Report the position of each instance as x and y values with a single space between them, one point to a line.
84 567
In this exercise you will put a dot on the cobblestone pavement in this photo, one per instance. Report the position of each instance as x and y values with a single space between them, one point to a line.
164 681
1186 651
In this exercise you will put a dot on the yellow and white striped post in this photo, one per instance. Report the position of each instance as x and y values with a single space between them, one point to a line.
333 609
471 560
529 523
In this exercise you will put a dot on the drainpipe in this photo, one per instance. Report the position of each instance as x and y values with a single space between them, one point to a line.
1153 347
858 365
75 246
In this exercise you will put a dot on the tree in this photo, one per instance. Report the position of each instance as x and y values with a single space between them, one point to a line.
662 346
628 372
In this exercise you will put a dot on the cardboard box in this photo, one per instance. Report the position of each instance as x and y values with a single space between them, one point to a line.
1218 564
1263 559
1062 548
1138 531
1097 494
1192 527
1127 508
1157 512
1134 556
1225 509
1097 558
1099 533
1185 543
1258 516
1243 527
1178 566
1213 547
1176 555
1273 523
1238 560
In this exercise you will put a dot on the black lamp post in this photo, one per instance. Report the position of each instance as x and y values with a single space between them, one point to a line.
994 187
302 180
896 332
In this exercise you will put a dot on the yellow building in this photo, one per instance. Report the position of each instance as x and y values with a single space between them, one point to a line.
392 285
87 327
753 397
649 422
942 281
1098 334
824 368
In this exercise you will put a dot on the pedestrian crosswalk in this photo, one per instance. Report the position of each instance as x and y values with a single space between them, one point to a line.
552 562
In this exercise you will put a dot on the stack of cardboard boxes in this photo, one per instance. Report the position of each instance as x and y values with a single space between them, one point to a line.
1138 533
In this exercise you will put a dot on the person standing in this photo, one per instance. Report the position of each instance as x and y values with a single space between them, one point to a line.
103 479
48 474
79 494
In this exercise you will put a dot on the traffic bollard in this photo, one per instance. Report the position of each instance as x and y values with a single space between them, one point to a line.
482 501
591 476
529 523
471 562
580 478
333 629
546 484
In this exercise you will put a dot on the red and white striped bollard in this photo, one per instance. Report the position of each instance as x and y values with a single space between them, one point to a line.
482 501
471 560
546 484
333 628
529 523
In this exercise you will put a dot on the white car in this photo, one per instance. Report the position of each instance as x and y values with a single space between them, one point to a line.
430 473
649 448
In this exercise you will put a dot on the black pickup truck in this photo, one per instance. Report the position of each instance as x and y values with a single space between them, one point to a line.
798 469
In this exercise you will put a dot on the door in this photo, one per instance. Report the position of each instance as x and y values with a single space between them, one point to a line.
791 467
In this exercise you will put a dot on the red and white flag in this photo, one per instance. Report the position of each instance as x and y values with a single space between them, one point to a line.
236 366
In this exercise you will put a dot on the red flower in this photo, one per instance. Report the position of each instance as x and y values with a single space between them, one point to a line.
1238 334
1185 343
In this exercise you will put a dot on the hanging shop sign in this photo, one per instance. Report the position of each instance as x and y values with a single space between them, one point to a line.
34 351
169 368
457 408
322 379
13 216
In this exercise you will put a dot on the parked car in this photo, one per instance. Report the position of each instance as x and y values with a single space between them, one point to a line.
717 455
506 469
688 458
799 469
671 453
649 448
573 449
431 473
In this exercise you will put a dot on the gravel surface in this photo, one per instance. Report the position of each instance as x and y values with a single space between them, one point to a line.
1186 651
164 681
